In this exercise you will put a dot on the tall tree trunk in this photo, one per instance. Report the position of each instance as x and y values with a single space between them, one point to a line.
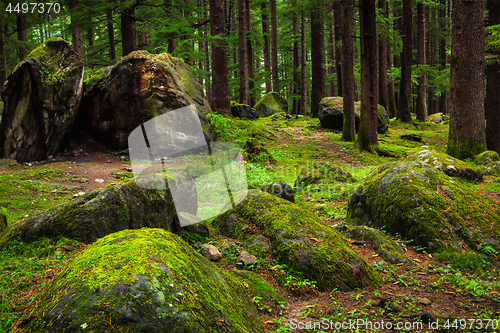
170 39
391 97
397 57
406 62
317 59
75 32
421 109
129 37
296 62
143 40
443 107
111 35
303 65
430 59
274 46
208 84
467 136
492 102
267 52
331 59
21 35
251 74
3 72
337 21
349 126
367 134
383 96
242 51
220 85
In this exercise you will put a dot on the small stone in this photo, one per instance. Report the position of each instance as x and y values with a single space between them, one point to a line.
246 258
425 301
109 161
79 194
210 252
100 181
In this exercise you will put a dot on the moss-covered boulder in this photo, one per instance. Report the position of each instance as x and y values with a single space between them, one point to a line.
436 118
243 111
259 287
99 213
267 224
280 189
324 177
389 250
446 164
424 204
41 98
487 157
271 103
331 115
146 280
138 88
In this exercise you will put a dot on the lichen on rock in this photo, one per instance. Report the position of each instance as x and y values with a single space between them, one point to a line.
146 280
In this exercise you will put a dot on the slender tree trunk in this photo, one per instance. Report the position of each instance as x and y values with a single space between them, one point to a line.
391 97
274 45
242 51
317 60
337 21
443 108
492 102
267 52
220 85
331 59
303 65
251 74
406 62
296 61
111 35
421 109
21 35
383 96
349 126
129 37
367 134
467 136
75 32
397 57
143 40
208 84
430 59
3 72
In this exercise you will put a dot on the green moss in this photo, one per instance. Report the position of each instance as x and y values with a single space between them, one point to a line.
299 240
148 279
465 148
271 103
258 286
487 157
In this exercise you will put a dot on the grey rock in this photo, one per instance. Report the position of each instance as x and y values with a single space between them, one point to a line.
210 252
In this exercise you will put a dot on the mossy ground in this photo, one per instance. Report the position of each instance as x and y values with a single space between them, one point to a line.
459 284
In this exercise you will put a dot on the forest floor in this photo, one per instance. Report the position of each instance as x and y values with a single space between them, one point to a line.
455 292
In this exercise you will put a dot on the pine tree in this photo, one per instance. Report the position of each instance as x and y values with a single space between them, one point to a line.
406 62
349 129
492 102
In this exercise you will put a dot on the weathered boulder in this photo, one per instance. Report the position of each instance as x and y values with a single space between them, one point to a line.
297 238
243 111
99 213
446 164
259 287
324 177
487 157
4 163
271 103
280 189
146 280
389 250
436 118
331 115
422 203
41 98
138 88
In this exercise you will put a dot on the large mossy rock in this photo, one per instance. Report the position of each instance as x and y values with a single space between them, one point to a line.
487 157
41 98
436 118
99 213
138 88
331 115
267 224
146 280
270 104
422 203
322 174
243 111
446 164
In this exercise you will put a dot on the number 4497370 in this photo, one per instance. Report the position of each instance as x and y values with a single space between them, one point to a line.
34 7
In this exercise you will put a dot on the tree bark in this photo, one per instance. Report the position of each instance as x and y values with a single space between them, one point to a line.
242 51
274 45
337 22
75 31
317 59
391 97
21 35
303 65
266 46
331 59
406 62
129 34
3 72
251 73
220 85
421 109
111 35
467 136
492 102
349 126
382 64
296 62
442 107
